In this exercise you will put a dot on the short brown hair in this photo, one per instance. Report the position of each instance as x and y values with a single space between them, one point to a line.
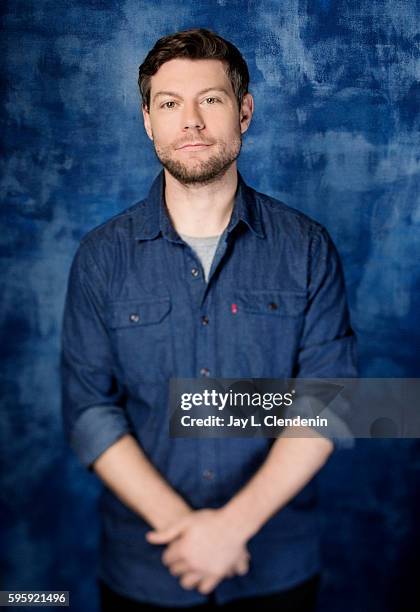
195 43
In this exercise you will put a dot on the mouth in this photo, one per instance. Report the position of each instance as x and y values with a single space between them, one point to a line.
198 146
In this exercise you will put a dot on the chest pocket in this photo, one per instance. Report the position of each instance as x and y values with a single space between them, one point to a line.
266 327
270 302
135 313
141 339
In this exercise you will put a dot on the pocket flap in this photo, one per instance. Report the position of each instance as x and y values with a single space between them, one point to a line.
272 302
133 313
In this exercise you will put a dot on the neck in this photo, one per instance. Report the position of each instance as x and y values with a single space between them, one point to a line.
201 210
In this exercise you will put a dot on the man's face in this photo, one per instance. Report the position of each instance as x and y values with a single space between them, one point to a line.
194 120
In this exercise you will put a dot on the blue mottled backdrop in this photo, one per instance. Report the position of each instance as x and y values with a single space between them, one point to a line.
335 134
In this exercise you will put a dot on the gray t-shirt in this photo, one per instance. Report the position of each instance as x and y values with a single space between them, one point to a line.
205 249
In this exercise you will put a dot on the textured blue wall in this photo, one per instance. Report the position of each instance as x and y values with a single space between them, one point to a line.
336 135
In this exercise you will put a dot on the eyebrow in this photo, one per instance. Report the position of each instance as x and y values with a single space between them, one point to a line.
200 93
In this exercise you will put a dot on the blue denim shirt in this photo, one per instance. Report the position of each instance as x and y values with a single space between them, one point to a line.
138 312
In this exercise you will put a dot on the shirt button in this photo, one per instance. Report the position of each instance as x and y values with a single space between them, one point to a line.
134 317
208 474
205 320
195 272
204 372
272 306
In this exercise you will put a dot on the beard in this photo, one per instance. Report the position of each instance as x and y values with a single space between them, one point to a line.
201 172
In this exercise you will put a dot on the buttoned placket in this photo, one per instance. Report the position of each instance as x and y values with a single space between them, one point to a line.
193 275
207 449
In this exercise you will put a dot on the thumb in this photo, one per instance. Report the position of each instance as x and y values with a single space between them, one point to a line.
165 535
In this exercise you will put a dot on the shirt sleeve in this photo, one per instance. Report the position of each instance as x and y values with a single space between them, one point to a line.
328 344
93 411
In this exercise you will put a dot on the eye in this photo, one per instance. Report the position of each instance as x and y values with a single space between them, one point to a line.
170 104
211 100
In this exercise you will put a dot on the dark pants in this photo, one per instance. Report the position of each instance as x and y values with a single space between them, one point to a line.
301 598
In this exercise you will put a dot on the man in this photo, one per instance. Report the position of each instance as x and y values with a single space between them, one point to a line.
204 278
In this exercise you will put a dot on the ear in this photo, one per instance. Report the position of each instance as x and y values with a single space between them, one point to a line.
246 112
147 122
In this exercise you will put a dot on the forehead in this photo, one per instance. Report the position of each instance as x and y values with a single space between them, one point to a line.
186 76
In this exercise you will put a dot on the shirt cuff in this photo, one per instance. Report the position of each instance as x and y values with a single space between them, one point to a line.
97 429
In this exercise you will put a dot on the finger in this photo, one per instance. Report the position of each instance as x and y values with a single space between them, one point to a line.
178 568
242 567
171 554
165 535
190 580
208 584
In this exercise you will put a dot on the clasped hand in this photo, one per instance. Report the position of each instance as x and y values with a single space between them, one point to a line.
202 549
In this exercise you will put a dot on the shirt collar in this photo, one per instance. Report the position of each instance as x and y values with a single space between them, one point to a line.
153 219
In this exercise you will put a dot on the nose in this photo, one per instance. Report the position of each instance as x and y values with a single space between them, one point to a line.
192 117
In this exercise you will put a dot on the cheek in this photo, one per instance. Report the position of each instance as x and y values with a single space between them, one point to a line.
226 126
164 137
164 128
